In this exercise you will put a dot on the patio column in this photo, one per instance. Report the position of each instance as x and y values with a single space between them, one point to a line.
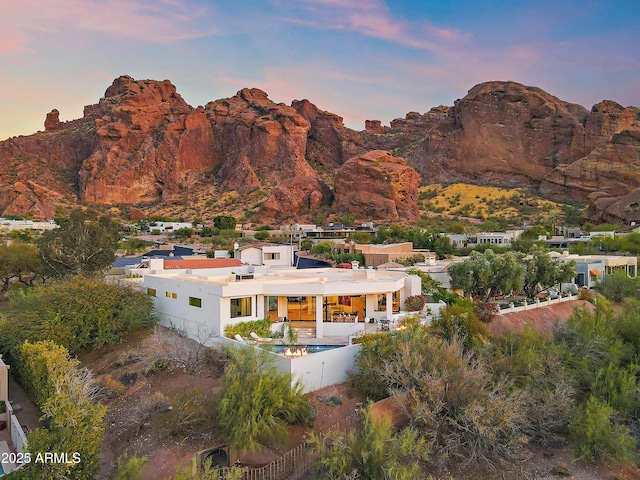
260 307
389 305
319 316
282 306
370 302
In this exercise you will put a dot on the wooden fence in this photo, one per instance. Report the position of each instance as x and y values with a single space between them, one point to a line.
294 464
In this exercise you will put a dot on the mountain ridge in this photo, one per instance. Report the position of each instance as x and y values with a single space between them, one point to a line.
142 144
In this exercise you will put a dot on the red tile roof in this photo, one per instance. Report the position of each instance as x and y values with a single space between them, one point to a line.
198 263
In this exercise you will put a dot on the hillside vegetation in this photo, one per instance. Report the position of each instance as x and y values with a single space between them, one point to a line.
482 202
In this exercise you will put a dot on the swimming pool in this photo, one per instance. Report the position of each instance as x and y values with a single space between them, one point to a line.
298 350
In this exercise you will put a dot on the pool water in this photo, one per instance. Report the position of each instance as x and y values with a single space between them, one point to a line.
281 349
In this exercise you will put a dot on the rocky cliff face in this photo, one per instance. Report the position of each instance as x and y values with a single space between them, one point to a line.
296 198
141 143
377 185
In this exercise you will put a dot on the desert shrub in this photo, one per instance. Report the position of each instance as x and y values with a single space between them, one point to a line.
370 337
485 311
366 376
414 303
598 437
372 450
128 378
74 422
586 294
453 399
77 313
128 357
618 286
627 327
459 320
180 351
130 468
142 413
261 327
155 365
188 409
408 321
618 387
258 401
535 365
110 387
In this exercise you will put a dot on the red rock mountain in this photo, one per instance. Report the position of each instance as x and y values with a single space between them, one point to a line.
141 144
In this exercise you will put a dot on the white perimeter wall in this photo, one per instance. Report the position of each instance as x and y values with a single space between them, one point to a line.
314 371
321 369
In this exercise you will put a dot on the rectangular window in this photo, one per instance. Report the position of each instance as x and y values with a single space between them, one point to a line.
174 295
240 307
168 294
272 256
195 302
152 292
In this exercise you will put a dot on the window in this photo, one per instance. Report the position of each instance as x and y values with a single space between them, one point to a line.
174 295
240 307
272 256
382 302
195 302
168 294
152 292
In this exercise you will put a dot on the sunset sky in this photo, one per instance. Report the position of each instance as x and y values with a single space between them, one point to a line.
361 59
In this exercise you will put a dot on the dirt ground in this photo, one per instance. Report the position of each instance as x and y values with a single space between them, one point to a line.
140 422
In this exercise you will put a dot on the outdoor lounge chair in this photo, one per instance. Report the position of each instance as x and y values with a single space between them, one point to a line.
255 336
239 338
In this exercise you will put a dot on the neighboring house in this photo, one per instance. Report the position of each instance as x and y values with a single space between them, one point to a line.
590 269
168 227
498 238
458 240
206 301
10 225
265 254
375 255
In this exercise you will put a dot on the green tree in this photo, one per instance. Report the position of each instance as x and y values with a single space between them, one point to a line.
618 286
85 243
442 246
372 451
258 401
541 272
599 437
77 313
19 261
459 321
486 274
225 222
262 235
362 238
184 232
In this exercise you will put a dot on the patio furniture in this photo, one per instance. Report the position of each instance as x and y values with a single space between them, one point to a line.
255 336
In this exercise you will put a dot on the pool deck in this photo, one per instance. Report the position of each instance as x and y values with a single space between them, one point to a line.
336 340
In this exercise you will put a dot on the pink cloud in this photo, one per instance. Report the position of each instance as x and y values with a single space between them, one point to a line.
159 21
11 41
373 19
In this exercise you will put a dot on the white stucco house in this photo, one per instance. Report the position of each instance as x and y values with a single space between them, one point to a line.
268 254
333 302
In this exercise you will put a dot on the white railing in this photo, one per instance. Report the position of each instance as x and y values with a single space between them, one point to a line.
537 303
18 437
